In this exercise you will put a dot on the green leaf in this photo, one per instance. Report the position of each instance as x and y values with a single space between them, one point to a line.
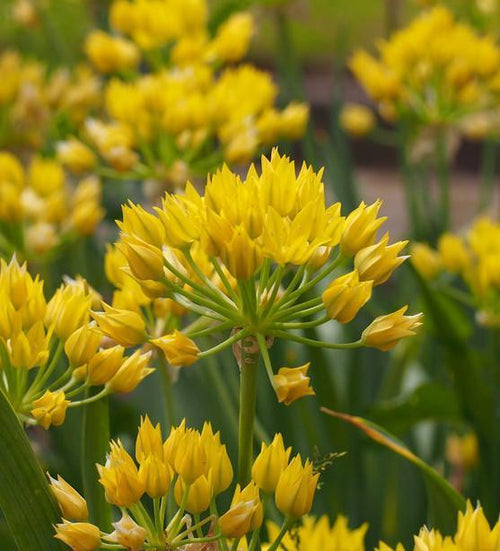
429 401
25 497
95 444
444 501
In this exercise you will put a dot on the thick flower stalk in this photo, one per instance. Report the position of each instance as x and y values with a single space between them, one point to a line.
41 213
467 268
195 105
51 352
190 468
246 260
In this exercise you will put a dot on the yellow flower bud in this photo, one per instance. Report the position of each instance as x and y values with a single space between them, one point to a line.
199 496
241 255
245 514
377 262
144 260
293 120
426 260
75 155
171 445
82 345
357 120
142 224
80 536
345 296
104 365
179 350
462 451
292 383
149 440
131 372
270 463
128 533
123 326
120 477
41 237
191 462
296 487
68 310
11 206
384 332
50 409
155 475
218 463
453 253
11 170
45 176
29 349
72 504
110 54
360 228
233 38
86 216
473 530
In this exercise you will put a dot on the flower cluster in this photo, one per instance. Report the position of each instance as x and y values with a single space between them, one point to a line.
474 258
473 532
192 468
436 71
36 105
40 212
246 258
190 110
37 337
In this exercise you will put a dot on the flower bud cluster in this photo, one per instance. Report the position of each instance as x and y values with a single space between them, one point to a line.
50 351
192 468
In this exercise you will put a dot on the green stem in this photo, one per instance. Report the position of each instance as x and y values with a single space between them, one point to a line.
319 344
443 173
166 381
25 498
248 364
95 444
287 523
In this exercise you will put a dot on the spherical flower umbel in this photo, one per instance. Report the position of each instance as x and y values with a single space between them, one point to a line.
246 258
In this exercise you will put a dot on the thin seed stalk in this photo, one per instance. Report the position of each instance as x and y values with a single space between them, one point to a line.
247 356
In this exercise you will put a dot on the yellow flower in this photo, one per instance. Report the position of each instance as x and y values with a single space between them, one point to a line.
144 260
191 462
68 310
82 345
179 350
110 54
85 217
29 349
149 440
318 533
50 409
245 514
345 296
128 533
123 326
462 451
104 364
75 155
219 466
80 536
386 331
426 260
73 505
172 444
360 228
11 170
45 176
199 496
131 372
377 262
155 475
474 532
120 477
232 39
270 463
296 487
292 383
357 120
453 253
